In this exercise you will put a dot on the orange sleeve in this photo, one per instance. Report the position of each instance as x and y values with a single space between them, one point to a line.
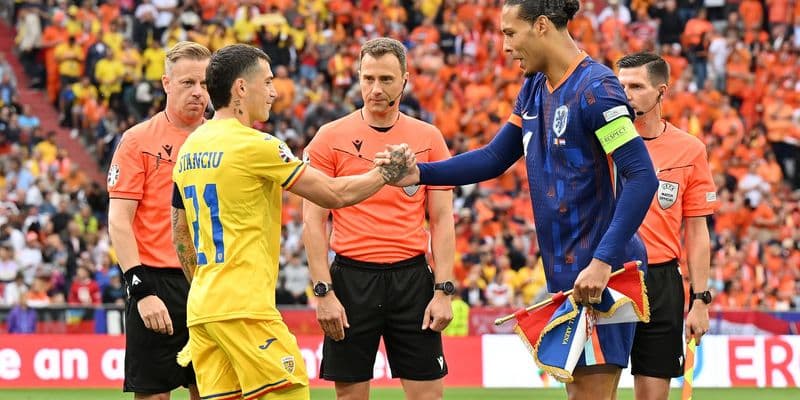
126 175
318 153
700 197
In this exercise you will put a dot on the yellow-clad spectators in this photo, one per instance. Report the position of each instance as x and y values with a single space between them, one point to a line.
153 59
459 325
220 36
113 38
131 59
245 28
69 56
81 92
47 148
109 73
530 281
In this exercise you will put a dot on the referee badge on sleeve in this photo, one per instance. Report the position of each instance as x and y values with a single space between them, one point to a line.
113 175
667 194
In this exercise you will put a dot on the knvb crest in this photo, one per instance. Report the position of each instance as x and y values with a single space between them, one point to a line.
667 194
560 120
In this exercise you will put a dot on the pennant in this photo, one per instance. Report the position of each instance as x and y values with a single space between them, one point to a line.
688 370
531 323
560 332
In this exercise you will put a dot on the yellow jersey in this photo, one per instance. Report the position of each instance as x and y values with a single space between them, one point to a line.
230 178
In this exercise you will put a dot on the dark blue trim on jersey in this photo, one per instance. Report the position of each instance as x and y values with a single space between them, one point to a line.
214 396
177 201
478 165
639 185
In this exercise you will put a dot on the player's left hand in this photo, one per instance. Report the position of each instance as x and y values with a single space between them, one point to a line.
439 312
697 322
591 282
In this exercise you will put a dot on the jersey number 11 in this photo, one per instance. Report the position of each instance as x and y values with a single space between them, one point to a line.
212 202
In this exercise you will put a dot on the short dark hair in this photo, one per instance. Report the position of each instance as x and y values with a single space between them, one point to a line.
558 11
226 66
382 46
657 68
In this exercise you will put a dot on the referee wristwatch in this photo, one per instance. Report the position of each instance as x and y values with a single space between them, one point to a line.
705 297
448 287
322 288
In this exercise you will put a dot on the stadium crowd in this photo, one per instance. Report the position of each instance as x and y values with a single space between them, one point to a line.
735 71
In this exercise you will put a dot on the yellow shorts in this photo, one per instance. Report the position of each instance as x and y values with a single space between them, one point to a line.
250 359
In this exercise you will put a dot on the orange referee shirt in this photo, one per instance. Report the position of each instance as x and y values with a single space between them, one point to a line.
685 189
142 170
389 226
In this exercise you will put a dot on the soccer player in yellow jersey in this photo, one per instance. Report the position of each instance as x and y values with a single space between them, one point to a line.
226 220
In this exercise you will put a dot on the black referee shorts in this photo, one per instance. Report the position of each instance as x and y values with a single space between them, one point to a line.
658 345
389 301
150 363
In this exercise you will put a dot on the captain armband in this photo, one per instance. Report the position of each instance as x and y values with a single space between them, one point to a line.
616 133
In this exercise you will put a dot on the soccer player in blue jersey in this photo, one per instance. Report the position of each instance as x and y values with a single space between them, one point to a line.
591 178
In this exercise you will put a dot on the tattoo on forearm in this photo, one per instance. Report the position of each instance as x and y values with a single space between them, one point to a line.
183 245
188 260
397 167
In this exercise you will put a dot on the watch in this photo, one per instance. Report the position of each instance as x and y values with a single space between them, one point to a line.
322 288
705 297
448 287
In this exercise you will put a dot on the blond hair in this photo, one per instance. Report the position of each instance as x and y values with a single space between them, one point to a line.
185 50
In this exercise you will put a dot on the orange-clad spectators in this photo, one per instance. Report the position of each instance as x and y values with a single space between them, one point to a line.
747 111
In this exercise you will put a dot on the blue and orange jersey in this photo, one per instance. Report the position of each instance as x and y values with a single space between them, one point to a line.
569 131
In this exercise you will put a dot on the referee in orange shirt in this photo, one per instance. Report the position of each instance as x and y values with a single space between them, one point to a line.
379 284
686 196
139 186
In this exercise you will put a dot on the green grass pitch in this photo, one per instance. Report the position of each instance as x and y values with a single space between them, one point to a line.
397 394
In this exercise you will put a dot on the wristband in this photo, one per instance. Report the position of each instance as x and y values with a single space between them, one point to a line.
138 281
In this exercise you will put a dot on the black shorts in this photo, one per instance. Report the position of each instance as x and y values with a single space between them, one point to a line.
386 300
150 364
658 345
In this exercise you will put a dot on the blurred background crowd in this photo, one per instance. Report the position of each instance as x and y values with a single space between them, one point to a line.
735 83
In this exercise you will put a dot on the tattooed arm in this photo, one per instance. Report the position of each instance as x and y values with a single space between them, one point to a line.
182 241
343 191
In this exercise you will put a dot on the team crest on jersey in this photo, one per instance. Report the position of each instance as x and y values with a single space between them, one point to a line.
286 154
113 175
411 189
288 364
560 120
667 194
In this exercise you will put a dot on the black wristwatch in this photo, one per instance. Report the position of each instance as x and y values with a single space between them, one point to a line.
448 287
705 297
322 288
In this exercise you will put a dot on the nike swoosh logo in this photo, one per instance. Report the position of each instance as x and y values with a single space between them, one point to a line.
529 117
